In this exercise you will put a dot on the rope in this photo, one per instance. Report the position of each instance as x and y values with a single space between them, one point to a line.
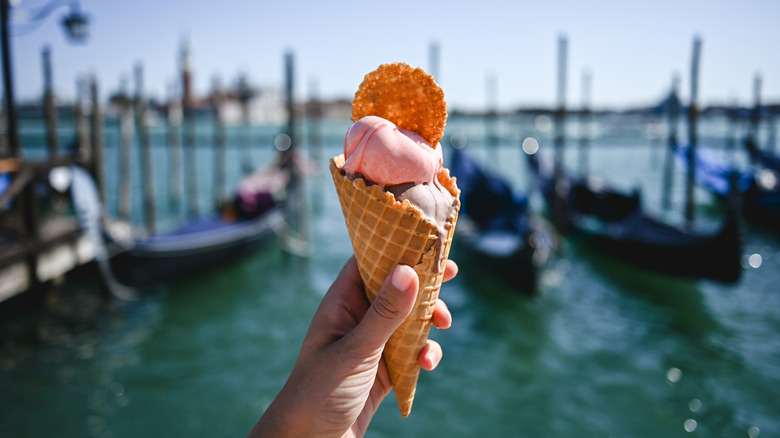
88 210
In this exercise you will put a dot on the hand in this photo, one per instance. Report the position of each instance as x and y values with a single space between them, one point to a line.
340 378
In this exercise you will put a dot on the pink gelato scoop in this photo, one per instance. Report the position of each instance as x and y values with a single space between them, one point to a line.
388 155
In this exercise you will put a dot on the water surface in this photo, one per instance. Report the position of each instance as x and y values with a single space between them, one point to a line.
605 349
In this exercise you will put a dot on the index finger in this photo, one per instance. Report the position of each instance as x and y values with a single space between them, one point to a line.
450 270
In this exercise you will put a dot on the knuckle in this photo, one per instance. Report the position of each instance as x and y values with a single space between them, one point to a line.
386 308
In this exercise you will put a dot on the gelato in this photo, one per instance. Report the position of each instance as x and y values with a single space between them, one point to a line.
400 205
404 164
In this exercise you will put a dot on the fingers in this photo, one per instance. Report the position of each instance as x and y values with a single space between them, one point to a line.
430 356
450 270
442 318
392 305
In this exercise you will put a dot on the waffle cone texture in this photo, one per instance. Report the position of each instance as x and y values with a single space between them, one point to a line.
384 234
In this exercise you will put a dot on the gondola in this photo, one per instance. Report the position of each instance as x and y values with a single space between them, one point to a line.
583 196
616 225
769 161
765 159
758 186
253 219
495 228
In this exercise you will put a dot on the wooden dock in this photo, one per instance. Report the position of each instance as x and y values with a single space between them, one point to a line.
25 264
40 237
39 243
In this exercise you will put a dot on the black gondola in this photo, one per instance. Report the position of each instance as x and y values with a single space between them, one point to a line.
615 224
765 159
254 218
495 226
759 186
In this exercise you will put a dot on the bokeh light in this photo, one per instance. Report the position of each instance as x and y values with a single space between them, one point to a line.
543 123
458 140
673 375
755 261
282 142
530 145
767 179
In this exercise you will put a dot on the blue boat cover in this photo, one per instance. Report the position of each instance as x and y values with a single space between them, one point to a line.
486 198
712 171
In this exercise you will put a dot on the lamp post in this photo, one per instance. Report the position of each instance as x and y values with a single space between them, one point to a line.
76 26
10 108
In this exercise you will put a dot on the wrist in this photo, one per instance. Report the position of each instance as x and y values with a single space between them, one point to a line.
284 418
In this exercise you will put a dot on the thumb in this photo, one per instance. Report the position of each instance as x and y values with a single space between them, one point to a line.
392 305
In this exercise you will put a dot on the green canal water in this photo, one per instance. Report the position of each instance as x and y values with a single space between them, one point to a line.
604 350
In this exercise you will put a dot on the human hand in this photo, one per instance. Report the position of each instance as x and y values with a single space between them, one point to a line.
340 377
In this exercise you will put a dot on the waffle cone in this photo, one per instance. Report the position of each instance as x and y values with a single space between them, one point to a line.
384 234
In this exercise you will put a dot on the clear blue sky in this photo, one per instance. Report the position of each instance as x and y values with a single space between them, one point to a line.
631 49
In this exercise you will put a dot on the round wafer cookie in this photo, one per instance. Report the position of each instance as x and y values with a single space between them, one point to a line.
406 96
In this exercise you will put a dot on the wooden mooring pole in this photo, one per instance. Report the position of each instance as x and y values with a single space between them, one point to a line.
560 112
190 153
732 116
97 166
673 113
755 120
289 88
190 161
147 172
220 180
491 126
245 94
84 147
297 237
693 114
126 131
585 125
49 105
560 197
174 149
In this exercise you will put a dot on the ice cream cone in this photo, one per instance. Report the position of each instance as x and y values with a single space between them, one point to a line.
385 233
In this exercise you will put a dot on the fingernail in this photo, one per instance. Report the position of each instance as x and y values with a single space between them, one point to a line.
401 280
433 359
448 313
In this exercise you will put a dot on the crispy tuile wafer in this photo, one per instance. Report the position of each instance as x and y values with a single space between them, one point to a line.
406 96
385 233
